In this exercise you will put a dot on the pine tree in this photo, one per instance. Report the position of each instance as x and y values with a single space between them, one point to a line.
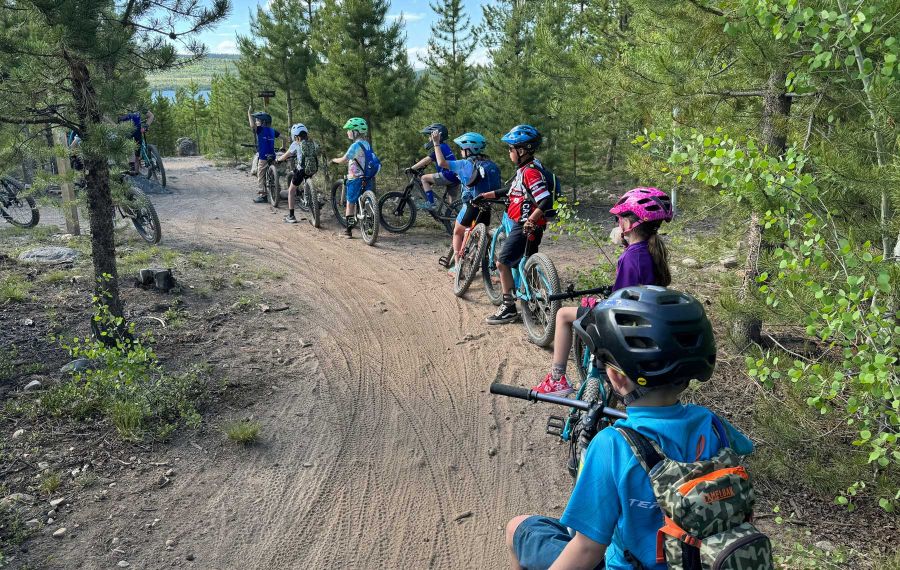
191 114
363 69
227 116
449 91
164 133
73 63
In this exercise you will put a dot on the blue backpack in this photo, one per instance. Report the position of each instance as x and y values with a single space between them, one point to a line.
553 185
372 165
485 178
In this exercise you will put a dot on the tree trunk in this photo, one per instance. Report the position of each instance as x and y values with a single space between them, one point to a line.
99 198
747 328
611 152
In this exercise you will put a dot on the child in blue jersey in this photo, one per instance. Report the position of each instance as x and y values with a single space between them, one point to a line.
261 124
473 168
640 334
357 129
443 176
639 212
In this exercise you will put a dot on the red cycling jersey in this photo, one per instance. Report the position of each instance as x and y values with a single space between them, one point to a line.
527 189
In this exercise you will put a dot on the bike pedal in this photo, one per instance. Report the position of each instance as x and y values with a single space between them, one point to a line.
555 425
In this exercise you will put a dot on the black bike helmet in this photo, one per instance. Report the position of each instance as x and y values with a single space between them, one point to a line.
655 336
435 127
264 118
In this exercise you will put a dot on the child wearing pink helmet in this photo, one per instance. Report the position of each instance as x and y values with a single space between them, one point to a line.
640 212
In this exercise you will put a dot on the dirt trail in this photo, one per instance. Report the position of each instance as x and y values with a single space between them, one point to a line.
378 440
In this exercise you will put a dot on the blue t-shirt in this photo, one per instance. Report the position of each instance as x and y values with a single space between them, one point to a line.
463 170
265 141
635 267
447 172
356 156
613 503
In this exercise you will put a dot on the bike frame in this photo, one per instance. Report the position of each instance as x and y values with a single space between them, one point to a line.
520 284
415 182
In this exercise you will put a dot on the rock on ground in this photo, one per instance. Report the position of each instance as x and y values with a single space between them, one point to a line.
185 146
49 254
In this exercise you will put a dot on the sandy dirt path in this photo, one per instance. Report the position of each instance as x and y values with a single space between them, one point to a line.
381 447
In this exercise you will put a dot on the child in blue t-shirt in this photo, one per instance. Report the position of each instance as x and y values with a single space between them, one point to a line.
443 176
612 510
471 147
357 129
261 123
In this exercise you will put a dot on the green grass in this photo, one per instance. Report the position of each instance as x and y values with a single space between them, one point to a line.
55 276
14 288
50 482
244 432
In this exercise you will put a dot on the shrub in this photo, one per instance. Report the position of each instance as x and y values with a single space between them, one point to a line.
244 432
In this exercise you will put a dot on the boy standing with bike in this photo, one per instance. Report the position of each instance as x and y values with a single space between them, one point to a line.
261 123
529 197
653 342
306 153
358 158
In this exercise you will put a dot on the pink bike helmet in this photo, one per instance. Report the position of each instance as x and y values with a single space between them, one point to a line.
648 204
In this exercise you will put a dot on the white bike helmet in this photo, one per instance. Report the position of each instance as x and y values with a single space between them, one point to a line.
299 128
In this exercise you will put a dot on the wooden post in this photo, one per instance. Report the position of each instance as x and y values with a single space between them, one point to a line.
69 205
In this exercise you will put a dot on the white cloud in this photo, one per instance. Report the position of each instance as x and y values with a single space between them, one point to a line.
480 56
416 56
228 46
407 17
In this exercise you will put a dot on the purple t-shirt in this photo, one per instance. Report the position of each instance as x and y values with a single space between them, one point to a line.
635 267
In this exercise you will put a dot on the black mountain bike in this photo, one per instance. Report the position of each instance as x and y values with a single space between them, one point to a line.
397 210
16 209
138 208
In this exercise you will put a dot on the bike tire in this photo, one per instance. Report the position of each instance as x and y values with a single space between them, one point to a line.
471 262
145 219
590 394
401 212
367 217
538 314
302 199
158 165
489 272
273 188
581 353
339 202
449 215
315 212
27 219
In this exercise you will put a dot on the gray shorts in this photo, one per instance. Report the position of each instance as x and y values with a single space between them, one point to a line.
441 180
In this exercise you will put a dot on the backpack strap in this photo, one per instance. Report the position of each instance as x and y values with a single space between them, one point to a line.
721 432
647 452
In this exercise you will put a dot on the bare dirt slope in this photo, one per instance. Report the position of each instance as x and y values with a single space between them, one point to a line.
381 447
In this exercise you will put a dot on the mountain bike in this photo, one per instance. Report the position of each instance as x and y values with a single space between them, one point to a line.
138 208
589 417
366 209
397 210
311 200
474 248
151 162
272 180
535 281
16 209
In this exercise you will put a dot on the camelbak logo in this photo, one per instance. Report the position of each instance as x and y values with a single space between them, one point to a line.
718 495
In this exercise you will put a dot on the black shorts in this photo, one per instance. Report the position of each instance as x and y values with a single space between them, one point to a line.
470 213
298 177
518 244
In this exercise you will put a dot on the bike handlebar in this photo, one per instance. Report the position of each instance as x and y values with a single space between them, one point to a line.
247 145
571 293
532 396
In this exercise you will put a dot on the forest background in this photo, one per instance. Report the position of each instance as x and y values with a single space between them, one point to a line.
773 121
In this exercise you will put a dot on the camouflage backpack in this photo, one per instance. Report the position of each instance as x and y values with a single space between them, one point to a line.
309 162
707 507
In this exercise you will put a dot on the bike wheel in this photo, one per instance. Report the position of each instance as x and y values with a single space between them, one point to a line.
470 263
397 212
368 217
302 200
273 188
449 214
489 271
18 210
539 314
144 218
590 393
339 202
155 170
582 357
312 201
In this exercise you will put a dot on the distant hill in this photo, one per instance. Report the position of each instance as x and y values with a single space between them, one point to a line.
200 72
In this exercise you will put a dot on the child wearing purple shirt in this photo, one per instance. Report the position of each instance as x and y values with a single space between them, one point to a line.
640 212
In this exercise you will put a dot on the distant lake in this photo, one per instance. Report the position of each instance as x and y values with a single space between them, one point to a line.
170 94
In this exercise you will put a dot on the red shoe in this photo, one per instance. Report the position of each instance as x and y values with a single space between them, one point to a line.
554 388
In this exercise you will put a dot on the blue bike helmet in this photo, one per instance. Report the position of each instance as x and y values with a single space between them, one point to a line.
435 127
523 136
264 118
473 142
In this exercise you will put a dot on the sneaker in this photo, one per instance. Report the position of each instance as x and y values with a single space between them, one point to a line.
429 206
505 314
290 220
554 387
348 231
454 269
260 200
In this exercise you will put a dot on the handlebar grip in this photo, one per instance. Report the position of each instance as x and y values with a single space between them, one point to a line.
511 391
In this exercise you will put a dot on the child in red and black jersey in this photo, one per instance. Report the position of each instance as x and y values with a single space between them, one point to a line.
529 197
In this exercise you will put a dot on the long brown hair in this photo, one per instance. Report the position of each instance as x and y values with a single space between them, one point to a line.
649 231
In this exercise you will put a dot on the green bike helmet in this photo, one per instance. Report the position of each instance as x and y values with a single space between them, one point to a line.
356 124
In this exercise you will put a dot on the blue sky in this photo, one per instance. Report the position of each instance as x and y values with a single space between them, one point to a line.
416 14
